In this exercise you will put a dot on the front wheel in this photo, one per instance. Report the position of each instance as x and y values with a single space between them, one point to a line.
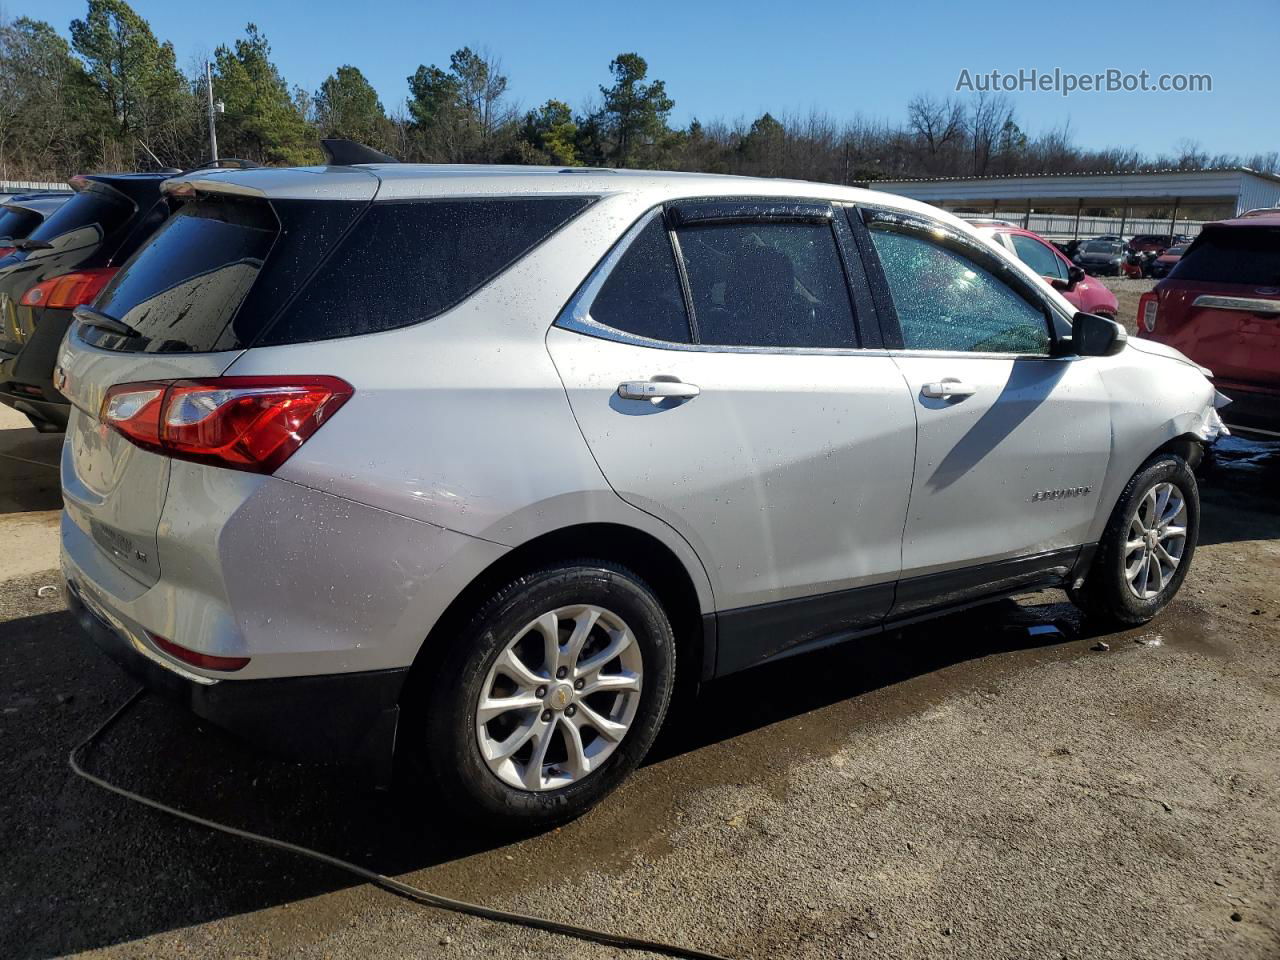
1146 548
549 697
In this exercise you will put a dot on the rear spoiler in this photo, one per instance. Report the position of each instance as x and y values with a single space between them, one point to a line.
346 153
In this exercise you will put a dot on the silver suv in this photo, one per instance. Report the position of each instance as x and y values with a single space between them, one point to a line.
473 464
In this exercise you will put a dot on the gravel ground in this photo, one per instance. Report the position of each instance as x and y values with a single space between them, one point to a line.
1128 292
958 789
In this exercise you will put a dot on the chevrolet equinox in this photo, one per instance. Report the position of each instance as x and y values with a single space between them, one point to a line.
466 466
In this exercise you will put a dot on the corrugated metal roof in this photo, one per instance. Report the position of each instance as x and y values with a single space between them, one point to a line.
1163 172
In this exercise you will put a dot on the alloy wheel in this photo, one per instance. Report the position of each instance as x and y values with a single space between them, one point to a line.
1156 540
560 697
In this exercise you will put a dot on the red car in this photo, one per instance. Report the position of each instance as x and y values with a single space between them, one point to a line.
1156 243
1220 305
1085 293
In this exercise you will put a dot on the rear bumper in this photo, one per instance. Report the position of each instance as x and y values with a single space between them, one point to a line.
348 718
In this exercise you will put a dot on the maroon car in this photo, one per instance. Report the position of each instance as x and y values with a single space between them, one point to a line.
1156 243
1220 305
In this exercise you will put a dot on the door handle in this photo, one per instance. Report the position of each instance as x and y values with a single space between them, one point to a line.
656 390
948 388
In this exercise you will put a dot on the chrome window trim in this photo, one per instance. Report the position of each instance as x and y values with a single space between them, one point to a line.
576 315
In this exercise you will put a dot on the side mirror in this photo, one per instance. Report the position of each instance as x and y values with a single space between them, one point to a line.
1095 336
1074 275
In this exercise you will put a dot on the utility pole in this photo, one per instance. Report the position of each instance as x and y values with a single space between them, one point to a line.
213 133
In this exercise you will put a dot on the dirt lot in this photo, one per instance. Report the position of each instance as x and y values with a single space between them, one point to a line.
1128 292
956 790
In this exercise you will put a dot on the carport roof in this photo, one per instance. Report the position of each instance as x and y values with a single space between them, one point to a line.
1237 187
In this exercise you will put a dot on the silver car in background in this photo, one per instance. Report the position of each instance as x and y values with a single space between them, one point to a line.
473 464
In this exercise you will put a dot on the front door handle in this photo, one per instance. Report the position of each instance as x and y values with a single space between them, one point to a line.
656 390
948 389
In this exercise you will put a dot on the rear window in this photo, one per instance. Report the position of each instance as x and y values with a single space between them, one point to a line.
181 290
1244 255
1102 246
408 261
16 223
86 218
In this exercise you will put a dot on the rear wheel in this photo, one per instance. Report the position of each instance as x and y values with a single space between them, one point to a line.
1147 546
549 697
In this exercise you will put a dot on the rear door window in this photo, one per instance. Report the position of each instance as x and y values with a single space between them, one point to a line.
182 289
1244 255
767 284
408 261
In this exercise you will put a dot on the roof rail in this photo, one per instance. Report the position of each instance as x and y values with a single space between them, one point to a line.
229 163
344 153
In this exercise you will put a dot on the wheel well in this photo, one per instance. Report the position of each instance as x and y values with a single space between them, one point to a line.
1188 446
640 552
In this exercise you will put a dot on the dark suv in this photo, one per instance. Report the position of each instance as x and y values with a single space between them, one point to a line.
62 263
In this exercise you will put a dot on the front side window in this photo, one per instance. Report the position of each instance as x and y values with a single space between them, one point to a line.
946 300
767 284
1038 257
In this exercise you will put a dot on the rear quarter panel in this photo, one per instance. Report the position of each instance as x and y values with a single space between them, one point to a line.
462 422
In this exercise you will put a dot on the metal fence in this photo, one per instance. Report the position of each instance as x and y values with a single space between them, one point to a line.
1060 226
27 186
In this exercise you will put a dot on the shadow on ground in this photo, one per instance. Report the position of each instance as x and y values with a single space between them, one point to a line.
130 872
85 869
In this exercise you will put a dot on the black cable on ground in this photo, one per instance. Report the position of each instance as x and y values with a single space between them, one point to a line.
389 884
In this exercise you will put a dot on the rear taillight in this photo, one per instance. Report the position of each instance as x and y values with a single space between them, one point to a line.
70 290
5 251
244 423
1148 311
197 659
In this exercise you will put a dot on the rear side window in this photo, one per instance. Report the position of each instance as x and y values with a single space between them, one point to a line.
16 223
642 294
183 288
767 284
86 218
1244 255
405 262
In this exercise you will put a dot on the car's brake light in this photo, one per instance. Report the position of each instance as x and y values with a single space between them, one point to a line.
244 423
69 290
1148 310
207 660
5 251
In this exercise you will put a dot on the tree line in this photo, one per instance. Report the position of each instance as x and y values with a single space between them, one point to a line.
114 97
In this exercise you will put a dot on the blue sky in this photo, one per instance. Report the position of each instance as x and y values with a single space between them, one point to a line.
739 59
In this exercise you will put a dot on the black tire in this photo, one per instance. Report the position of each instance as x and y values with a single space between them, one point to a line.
442 738
1106 595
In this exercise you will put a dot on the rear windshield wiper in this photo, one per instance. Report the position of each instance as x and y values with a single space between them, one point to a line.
29 244
101 321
